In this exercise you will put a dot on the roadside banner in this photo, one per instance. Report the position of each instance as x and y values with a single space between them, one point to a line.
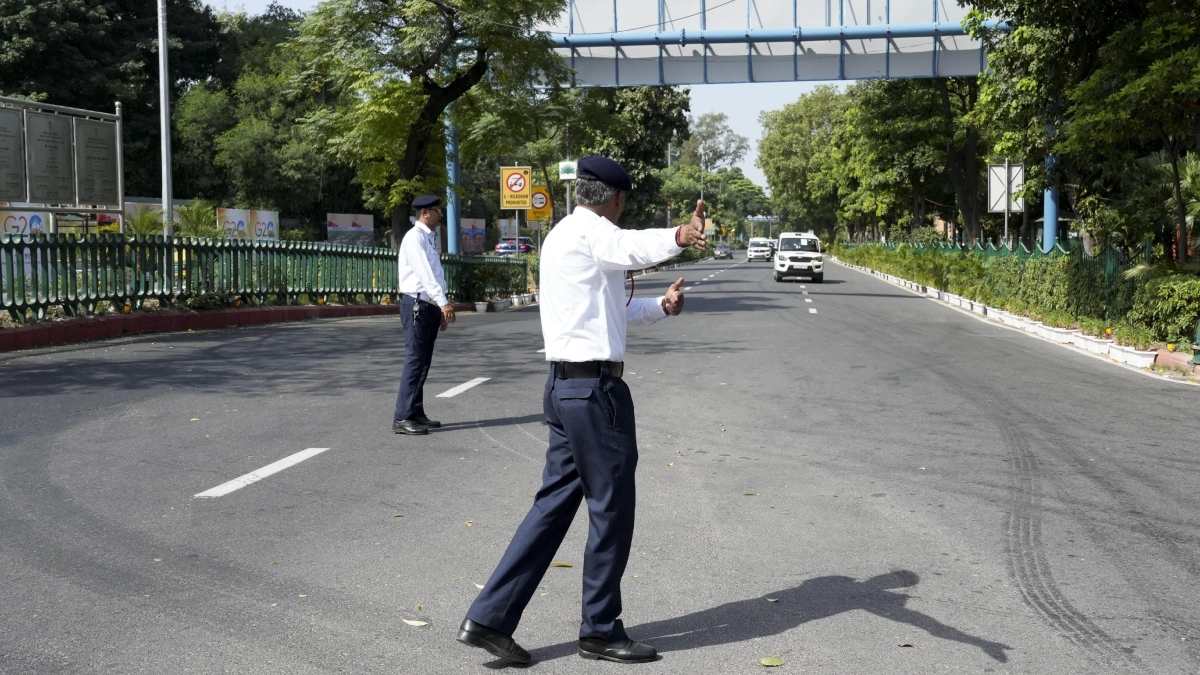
249 224
515 187
472 233
355 229
541 208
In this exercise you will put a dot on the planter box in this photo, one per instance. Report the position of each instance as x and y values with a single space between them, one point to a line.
1060 335
931 292
1131 356
481 307
979 308
1093 344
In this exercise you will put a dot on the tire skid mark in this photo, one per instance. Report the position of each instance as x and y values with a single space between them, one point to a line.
1027 562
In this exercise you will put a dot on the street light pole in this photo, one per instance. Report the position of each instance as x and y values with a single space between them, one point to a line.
164 122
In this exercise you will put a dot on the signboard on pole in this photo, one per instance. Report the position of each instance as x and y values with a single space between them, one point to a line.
354 229
51 164
12 156
515 187
540 206
566 170
1005 180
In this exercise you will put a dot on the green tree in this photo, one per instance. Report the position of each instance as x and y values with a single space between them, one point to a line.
713 143
400 65
88 54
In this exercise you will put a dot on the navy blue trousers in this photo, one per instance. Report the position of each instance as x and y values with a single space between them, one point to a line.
592 455
420 332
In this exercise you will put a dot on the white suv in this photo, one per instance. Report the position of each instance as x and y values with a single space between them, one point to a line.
759 249
799 254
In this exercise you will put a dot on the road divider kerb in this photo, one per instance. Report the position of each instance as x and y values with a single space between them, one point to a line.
992 317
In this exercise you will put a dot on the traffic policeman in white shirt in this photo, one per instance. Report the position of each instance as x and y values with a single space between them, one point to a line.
592 453
424 311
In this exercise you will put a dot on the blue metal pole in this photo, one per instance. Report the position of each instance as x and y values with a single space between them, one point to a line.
815 33
452 214
1050 210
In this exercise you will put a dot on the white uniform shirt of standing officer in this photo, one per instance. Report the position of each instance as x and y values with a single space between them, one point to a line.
585 307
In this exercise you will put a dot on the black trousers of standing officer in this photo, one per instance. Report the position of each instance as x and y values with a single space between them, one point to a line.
592 455
422 321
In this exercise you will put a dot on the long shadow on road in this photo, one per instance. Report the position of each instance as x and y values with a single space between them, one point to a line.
775 613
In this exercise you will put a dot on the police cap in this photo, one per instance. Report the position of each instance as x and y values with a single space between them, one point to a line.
427 202
604 170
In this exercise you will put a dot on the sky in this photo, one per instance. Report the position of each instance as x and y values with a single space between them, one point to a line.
741 102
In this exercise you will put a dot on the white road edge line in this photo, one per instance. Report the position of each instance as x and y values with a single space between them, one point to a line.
455 391
255 476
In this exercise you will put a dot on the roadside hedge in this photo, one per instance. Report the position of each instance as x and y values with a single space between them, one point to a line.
1064 290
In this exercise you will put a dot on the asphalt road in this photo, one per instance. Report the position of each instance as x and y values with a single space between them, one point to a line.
844 474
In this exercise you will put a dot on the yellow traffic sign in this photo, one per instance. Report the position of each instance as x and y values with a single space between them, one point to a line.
540 207
515 187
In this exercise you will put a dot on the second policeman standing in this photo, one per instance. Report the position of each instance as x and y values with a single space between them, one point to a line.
593 451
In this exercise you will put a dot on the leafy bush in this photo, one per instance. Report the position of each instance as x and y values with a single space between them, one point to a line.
1058 319
1093 327
1133 335
1170 304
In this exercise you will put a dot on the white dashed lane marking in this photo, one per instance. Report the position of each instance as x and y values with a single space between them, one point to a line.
808 299
812 310
255 476
455 391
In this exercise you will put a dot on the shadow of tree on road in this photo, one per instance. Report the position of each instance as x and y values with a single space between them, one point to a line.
815 599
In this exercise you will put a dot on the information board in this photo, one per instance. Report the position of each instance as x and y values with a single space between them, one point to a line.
96 161
12 155
356 229
51 164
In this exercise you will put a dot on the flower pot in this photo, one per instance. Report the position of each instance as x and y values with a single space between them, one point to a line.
481 307
1134 357
500 305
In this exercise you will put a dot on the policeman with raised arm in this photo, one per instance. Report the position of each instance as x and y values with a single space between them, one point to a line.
424 311
593 445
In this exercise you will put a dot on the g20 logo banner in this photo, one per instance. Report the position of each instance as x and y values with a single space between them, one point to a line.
21 224
249 224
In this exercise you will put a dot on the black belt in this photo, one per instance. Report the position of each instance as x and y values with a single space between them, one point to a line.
567 370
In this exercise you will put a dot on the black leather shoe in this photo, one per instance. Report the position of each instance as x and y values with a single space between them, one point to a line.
629 651
409 427
421 419
493 642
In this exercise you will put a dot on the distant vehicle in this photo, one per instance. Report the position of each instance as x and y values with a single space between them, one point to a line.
759 249
799 255
508 246
722 251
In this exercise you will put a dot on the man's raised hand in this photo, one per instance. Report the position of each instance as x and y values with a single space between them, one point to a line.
672 302
692 234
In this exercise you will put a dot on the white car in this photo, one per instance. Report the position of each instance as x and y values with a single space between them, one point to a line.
759 249
799 254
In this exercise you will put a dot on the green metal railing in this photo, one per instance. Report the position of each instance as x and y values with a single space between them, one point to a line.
77 274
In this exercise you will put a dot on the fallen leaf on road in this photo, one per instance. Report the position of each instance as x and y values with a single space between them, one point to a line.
303 596
398 515
753 494
194 419
420 608
274 563
158 560
561 564
908 645
469 523
479 586
670 463
772 599
771 661
414 623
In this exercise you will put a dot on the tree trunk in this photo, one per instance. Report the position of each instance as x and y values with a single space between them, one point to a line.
414 161
963 164
1182 237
